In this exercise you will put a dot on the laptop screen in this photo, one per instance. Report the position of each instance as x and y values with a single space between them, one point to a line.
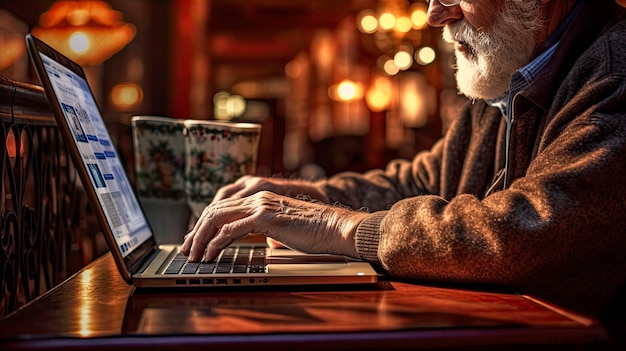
120 206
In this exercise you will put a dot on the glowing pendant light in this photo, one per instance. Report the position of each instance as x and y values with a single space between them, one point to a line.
88 32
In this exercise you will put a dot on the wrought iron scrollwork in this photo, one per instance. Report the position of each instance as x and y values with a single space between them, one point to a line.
40 204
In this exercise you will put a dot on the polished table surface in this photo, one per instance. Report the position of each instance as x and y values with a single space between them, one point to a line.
97 309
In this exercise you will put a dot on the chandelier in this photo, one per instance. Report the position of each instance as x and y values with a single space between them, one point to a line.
88 32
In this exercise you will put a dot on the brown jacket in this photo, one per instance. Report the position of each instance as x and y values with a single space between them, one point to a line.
557 229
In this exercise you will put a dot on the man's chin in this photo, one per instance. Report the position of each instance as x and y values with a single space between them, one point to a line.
475 84
476 94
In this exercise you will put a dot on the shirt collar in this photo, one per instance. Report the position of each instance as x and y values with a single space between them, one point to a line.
525 75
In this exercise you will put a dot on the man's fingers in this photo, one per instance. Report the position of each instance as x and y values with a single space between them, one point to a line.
202 235
197 229
186 243
226 235
210 229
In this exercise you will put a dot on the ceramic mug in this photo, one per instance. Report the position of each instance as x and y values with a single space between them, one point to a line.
159 160
217 153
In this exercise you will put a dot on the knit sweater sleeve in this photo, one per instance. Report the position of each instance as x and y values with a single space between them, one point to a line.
464 161
379 189
368 237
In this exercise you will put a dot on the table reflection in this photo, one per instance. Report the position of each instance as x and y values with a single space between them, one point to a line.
380 307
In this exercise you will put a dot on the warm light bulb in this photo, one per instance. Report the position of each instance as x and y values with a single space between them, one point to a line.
403 24
347 90
377 100
387 21
126 96
79 42
235 106
403 60
419 18
228 106
220 101
367 21
378 97
369 24
425 55
391 68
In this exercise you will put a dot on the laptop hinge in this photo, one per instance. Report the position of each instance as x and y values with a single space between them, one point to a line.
143 263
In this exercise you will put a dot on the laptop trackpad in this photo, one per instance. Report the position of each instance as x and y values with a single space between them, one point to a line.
297 264
304 259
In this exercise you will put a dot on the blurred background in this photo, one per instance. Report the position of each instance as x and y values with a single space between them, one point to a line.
337 84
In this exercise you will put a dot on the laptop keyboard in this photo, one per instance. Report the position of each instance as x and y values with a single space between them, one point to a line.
242 259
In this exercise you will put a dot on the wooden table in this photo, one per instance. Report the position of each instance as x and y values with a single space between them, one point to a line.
96 309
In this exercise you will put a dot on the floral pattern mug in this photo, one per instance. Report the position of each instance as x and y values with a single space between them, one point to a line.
159 148
159 159
217 153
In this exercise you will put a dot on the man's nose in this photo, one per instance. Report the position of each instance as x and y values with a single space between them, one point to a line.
439 15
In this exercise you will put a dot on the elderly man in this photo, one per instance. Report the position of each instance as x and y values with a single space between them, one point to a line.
525 190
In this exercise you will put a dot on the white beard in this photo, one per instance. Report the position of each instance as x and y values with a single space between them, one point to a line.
490 57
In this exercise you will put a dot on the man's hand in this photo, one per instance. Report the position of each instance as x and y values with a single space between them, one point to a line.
248 185
301 225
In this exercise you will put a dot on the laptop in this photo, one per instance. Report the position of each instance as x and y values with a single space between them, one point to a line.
139 258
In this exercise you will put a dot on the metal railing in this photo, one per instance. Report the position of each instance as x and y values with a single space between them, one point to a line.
43 210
